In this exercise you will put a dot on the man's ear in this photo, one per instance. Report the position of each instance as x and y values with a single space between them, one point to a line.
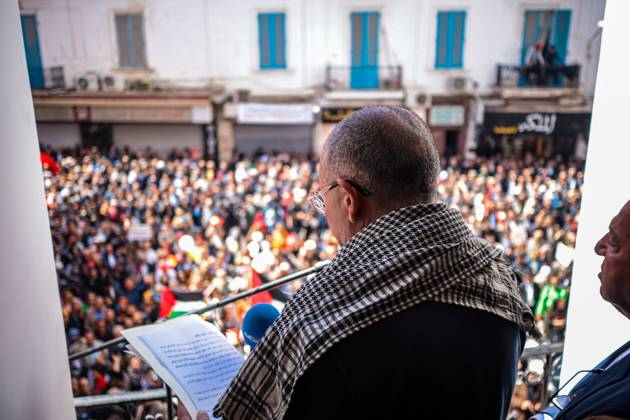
353 201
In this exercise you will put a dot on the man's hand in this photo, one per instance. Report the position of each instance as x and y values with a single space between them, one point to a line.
527 406
182 413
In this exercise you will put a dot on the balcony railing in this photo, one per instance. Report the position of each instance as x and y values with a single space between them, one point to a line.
511 76
363 77
217 305
125 403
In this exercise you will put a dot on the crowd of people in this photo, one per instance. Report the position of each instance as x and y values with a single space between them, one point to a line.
134 230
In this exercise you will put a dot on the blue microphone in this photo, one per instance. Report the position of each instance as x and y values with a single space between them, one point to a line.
256 322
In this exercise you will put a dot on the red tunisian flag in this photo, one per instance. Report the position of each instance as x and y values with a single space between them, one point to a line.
48 161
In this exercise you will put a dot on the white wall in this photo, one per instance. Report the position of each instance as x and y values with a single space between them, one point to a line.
194 41
178 39
159 137
58 135
594 327
35 378
494 31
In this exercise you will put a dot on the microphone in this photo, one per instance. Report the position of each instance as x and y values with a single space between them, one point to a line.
256 322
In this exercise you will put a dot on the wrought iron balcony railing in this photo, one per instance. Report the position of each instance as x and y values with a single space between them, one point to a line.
363 77
511 76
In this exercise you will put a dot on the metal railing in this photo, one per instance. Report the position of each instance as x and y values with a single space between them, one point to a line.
129 398
511 76
544 350
216 305
363 77
122 398
123 405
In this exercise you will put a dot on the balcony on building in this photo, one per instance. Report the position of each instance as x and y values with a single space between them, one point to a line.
521 81
358 84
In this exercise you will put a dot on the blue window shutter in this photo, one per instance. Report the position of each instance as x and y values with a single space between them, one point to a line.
272 40
280 41
271 33
123 42
137 28
132 52
130 37
441 45
457 50
449 48
32 50
561 33
529 32
372 25
263 41
356 20
533 30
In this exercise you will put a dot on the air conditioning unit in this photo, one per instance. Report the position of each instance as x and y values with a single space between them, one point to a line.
139 85
417 98
461 84
113 82
90 81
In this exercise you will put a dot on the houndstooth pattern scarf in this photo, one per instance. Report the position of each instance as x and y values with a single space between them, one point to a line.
411 255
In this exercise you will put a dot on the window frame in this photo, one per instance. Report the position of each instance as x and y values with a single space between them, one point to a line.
450 62
135 60
266 36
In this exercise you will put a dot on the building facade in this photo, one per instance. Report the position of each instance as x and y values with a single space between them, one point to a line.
278 75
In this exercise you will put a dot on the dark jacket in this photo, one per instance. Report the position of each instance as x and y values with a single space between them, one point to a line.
433 361
606 393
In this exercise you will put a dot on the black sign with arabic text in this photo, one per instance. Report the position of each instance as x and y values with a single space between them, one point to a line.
545 123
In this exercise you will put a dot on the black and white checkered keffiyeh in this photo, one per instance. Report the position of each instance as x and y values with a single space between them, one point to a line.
411 255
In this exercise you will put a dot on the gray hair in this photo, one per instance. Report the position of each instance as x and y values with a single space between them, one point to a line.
387 149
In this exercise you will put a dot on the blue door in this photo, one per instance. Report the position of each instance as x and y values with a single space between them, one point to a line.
33 55
364 54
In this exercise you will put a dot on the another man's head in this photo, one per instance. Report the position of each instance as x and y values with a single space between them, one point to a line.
379 159
614 246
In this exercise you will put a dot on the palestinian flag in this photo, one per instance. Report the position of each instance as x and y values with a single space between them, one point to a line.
273 296
179 301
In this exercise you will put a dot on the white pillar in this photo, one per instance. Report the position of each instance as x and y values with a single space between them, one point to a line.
594 327
34 371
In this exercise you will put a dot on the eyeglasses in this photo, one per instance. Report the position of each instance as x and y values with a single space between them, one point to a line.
316 198
559 402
